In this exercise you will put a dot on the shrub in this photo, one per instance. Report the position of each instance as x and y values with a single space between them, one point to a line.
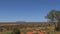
1 29
16 31
57 29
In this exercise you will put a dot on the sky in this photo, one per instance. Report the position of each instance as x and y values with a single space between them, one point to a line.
26 10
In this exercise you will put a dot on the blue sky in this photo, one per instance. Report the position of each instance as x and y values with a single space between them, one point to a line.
26 10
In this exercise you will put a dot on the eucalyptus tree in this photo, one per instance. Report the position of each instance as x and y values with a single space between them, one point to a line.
54 17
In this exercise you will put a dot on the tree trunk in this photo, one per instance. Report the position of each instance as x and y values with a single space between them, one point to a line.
58 25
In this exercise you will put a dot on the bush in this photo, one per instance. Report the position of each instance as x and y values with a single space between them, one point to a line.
35 33
16 31
1 29
6 32
57 29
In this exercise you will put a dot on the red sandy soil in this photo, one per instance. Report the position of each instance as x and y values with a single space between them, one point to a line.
39 32
58 33
29 33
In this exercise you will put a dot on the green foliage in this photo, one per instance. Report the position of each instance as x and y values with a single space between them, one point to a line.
57 29
6 33
16 31
1 29
54 16
24 32
35 33
7 27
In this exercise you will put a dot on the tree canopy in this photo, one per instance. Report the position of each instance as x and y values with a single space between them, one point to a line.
54 17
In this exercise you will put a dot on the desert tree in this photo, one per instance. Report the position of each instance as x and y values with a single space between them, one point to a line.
54 17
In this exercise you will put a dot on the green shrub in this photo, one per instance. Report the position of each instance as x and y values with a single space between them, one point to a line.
35 33
1 29
57 29
16 31
6 33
